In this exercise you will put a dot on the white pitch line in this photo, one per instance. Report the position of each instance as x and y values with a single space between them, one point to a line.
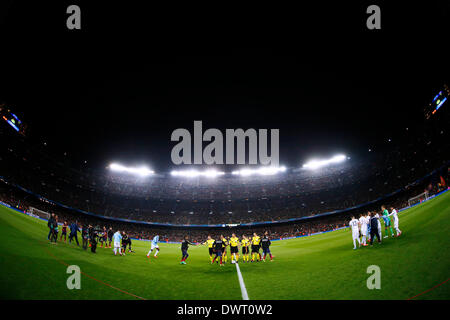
241 283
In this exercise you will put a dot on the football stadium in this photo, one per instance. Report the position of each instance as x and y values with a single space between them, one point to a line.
54 216
199 178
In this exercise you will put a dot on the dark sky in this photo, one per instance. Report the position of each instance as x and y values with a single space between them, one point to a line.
116 90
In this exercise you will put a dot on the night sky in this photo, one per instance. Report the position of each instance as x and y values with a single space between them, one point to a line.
117 89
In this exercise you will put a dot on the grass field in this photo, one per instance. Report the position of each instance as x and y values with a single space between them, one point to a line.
318 267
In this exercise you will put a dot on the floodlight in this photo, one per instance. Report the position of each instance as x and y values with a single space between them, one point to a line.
140 171
315 164
194 173
264 171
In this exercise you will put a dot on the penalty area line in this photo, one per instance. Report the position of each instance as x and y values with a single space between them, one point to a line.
241 283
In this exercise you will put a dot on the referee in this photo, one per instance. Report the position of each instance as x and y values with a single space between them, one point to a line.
255 247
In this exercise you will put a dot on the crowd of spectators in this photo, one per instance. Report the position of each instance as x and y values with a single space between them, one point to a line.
289 195
24 201
230 199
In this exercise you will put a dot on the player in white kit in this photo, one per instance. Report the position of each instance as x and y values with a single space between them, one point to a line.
395 217
354 224
154 246
367 216
379 224
363 226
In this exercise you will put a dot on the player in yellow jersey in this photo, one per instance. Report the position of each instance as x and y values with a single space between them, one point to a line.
234 250
255 247
245 251
210 243
224 250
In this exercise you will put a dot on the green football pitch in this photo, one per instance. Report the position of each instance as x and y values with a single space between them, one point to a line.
414 265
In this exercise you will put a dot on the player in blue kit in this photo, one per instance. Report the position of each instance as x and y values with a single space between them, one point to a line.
154 245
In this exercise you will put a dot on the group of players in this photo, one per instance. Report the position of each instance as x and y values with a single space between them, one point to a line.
121 240
368 227
91 236
365 229
218 248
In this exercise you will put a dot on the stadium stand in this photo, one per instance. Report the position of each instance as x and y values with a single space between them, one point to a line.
398 172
